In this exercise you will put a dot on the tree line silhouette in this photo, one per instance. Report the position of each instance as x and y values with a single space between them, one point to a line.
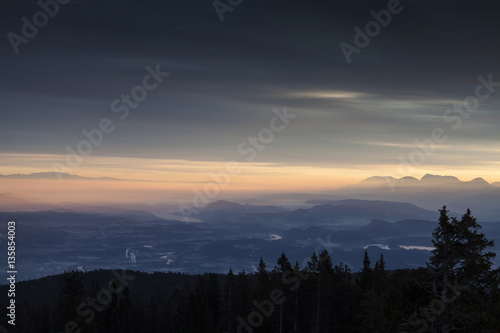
458 291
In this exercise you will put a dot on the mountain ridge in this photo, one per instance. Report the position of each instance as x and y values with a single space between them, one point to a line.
59 175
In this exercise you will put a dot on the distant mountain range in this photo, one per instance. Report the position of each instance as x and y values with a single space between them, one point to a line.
431 192
426 181
323 212
371 215
375 181
227 207
56 175
12 202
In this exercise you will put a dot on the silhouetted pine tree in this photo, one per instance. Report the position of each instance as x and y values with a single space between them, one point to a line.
462 261
195 310
380 275
367 297
229 303
342 311
401 301
323 297
309 295
71 294
262 293
284 310
457 291
263 285
213 303
298 276
125 313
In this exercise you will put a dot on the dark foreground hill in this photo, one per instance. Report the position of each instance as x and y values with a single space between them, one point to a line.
319 295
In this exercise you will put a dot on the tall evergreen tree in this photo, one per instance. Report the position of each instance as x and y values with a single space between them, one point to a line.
461 251
213 303
230 313
444 256
312 264
365 276
263 292
283 266
380 275
263 286
323 291
71 294
367 297
343 296
461 258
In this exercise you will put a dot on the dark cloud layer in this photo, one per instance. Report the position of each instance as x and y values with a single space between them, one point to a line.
226 77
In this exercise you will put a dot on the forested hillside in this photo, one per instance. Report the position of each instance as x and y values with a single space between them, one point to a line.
457 292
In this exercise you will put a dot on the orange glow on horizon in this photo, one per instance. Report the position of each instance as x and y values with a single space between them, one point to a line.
157 180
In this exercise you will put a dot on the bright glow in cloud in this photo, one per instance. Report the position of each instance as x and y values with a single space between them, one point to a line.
330 94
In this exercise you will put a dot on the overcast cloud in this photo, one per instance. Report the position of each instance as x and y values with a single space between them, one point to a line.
226 78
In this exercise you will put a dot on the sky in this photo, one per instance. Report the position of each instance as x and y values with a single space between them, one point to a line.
228 80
